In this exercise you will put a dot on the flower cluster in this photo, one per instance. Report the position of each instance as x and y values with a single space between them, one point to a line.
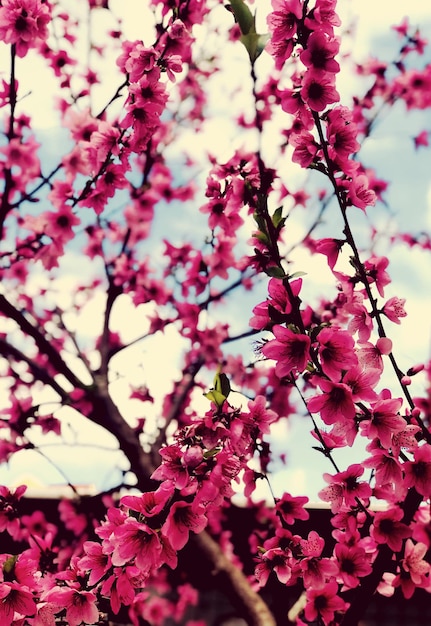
165 243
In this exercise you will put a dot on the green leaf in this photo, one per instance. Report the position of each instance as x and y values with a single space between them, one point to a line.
208 454
262 237
254 44
275 272
260 221
222 384
297 275
243 17
9 564
215 396
277 216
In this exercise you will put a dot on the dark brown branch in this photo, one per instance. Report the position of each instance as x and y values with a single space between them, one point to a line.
42 343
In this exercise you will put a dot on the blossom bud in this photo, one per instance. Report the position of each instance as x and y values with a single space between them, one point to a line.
384 345
415 369
406 380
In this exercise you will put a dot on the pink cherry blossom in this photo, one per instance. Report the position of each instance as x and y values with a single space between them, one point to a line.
318 90
323 603
353 563
181 519
387 528
80 605
418 472
289 349
336 352
24 23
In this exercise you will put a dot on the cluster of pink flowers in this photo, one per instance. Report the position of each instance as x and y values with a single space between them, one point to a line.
24 23
104 194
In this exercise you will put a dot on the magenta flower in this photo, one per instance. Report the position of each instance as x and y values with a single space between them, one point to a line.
344 487
290 350
282 24
94 561
336 352
324 603
388 470
291 508
318 90
376 272
341 133
80 605
24 23
353 564
418 472
278 300
359 193
136 541
335 404
394 309
387 528
414 563
305 148
182 518
277 560
316 571
15 598
9 515
330 248
260 416
384 421
320 52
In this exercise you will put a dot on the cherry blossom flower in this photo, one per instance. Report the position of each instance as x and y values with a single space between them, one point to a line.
15 598
341 133
359 193
320 53
376 272
361 382
418 472
291 351
334 404
323 603
282 24
95 561
181 519
387 468
384 421
330 248
318 90
414 563
316 571
336 352
80 605
344 488
394 309
353 564
405 439
421 139
9 512
135 541
24 23
387 528
260 415
305 148
278 305
292 507
277 560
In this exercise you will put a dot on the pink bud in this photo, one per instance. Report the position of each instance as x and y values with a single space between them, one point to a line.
384 345
406 380
415 369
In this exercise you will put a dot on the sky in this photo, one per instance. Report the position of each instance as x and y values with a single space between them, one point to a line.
303 473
